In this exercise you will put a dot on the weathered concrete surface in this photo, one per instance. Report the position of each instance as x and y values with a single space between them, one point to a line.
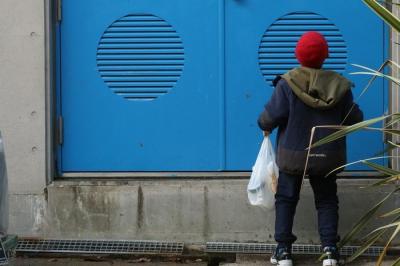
248 261
302 261
27 214
84 262
193 211
22 90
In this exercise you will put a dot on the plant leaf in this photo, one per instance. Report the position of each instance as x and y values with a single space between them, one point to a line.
365 89
375 236
374 77
395 211
388 2
387 62
364 220
394 62
385 181
394 144
349 129
386 226
372 233
389 147
385 14
360 161
391 131
377 74
365 246
391 123
396 231
396 263
382 169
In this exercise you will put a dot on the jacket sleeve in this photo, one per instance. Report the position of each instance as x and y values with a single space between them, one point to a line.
276 111
352 113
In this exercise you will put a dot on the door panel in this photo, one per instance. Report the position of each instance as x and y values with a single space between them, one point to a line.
178 85
140 85
260 41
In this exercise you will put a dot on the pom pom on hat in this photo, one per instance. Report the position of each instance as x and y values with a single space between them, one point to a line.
312 50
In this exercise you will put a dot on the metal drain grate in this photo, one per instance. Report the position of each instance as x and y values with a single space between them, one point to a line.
220 247
256 248
99 246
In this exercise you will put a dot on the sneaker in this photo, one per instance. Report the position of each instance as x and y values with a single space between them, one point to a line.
282 257
331 256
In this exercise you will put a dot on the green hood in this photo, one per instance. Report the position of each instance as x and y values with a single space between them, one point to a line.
317 88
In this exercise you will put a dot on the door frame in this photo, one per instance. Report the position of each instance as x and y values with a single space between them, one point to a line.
51 60
53 137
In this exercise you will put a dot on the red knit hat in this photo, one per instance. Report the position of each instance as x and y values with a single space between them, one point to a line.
312 49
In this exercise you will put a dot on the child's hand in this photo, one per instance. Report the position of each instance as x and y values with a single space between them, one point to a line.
266 133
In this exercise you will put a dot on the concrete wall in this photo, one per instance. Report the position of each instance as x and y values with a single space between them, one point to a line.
188 210
192 211
22 90
22 108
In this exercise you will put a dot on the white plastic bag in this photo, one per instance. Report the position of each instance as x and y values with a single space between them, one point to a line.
264 177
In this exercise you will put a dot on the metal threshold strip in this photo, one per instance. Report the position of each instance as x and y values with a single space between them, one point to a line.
99 246
195 175
82 175
255 248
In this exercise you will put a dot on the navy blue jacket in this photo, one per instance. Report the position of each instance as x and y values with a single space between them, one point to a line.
294 120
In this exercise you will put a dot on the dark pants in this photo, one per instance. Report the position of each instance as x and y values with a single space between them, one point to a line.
326 203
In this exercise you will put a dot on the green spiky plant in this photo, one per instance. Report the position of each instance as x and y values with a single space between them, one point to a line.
390 230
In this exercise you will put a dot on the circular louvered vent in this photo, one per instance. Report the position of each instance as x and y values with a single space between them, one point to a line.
140 57
276 52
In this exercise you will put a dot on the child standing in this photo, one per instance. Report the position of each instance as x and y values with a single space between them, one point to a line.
305 97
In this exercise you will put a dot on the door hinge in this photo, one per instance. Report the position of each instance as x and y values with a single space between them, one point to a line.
59 10
60 130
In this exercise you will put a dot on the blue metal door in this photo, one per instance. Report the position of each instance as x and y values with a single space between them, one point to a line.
260 41
141 85
178 85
